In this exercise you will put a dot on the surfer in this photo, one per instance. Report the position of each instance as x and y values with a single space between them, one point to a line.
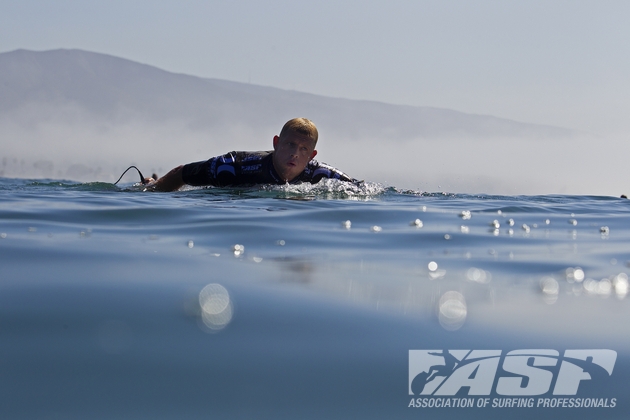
291 161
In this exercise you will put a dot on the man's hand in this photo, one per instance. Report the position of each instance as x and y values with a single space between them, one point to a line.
170 182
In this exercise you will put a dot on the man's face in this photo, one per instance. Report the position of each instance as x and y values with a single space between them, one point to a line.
292 154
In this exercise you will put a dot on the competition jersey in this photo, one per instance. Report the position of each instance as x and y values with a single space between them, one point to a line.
243 168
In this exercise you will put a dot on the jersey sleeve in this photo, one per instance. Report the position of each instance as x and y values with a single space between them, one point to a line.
197 173
322 170
217 171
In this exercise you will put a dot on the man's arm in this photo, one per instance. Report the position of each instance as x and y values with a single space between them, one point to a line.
172 181
322 170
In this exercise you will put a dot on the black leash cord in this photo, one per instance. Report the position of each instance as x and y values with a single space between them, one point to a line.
139 173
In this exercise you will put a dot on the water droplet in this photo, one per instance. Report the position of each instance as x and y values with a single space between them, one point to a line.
605 287
574 274
510 222
495 224
604 230
590 286
464 229
417 223
280 242
578 274
347 224
525 228
452 310
550 289
238 249
620 284
447 236
433 266
376 228
216 306
191 244
478 275
465 214
573 222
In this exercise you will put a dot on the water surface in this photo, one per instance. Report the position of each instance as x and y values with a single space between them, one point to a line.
293 301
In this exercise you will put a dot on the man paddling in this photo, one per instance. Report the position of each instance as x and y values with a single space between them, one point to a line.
291 161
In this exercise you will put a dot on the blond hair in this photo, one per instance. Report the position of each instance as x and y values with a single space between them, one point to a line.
301 126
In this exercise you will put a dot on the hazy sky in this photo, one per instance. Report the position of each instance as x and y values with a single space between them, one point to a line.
563 63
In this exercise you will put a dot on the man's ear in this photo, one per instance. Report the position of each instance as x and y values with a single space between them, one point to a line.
314 154
275 142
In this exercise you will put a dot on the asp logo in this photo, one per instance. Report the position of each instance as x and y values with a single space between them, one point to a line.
516 373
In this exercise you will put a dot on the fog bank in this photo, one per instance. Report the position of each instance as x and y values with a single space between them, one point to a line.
97 151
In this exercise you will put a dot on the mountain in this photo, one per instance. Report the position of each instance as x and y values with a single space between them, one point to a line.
122 91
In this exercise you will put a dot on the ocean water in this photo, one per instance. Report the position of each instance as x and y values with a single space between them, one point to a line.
310 302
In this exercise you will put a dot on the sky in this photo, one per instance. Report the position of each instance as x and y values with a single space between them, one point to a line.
555 62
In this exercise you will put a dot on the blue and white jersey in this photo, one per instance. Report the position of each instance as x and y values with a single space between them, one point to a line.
248 168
